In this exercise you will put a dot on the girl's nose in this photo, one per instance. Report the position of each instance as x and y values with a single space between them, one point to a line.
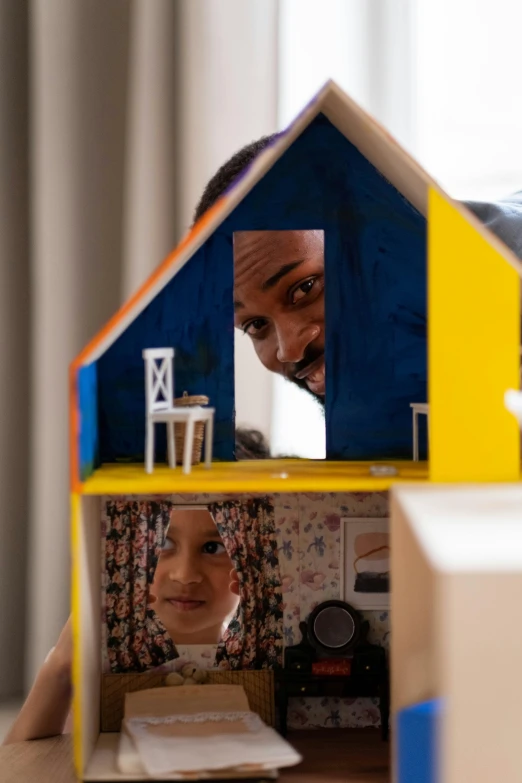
186 572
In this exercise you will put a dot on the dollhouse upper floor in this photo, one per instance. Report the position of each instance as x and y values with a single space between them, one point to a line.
256 476
395 247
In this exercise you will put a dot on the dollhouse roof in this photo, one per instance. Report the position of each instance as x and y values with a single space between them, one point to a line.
370 138
333 154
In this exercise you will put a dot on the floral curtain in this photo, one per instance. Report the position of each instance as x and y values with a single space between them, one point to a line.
254 638
136 639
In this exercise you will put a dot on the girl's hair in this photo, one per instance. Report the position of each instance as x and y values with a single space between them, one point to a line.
251 444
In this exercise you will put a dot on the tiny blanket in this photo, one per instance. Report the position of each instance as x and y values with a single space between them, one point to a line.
204 729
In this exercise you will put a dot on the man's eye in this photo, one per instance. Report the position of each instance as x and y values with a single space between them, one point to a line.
213 548
303 289
254 327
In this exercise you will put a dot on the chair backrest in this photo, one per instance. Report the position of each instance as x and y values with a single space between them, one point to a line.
159 379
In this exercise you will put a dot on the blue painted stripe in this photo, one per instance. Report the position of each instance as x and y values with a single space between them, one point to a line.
88 420
417 742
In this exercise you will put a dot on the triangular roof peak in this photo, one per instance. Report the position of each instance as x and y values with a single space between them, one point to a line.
362 130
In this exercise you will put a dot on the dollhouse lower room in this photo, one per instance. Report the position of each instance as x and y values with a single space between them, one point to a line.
271 607
286 673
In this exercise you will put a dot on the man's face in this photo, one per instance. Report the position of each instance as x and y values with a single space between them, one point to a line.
279 302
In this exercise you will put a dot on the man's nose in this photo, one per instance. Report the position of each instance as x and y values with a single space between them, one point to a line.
185 571
292 341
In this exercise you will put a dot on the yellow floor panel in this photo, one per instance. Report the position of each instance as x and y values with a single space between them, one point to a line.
250 476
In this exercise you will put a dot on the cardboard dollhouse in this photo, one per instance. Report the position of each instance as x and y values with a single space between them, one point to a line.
396 248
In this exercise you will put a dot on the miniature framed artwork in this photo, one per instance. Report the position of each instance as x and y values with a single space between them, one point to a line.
365 563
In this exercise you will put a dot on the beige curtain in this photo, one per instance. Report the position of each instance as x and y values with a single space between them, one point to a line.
14 338
112 117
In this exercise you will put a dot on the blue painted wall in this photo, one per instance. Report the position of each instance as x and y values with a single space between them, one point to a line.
193 314
375 257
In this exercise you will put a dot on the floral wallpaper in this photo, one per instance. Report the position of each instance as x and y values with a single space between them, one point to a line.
308 538
308 529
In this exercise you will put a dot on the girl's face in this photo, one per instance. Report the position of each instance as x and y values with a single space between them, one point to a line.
192 580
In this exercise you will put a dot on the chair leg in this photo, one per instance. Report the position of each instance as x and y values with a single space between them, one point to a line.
209 436
171 444
415 437
149 447
189 444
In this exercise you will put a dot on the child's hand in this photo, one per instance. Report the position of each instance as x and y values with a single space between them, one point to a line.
44 713
61 655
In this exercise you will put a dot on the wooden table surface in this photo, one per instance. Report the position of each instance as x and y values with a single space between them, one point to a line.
330 756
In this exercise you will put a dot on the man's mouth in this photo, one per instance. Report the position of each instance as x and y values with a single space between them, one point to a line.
313 376
185 604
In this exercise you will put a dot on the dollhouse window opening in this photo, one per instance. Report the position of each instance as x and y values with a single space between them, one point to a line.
285 403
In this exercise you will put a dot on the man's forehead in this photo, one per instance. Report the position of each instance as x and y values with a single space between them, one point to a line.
257 253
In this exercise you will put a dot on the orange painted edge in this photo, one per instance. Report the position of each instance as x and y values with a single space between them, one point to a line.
150 282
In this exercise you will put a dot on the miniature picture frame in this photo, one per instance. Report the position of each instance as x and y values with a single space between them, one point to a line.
365 562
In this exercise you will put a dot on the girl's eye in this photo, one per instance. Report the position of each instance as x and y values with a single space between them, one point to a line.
168 545
303 289
254 327
214 548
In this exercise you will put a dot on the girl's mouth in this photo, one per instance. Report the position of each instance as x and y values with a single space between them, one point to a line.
185 604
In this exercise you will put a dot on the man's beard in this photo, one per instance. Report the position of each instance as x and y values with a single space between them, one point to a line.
320 399
290 371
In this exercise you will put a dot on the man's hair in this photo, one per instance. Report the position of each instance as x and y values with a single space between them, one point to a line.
229 172
250 444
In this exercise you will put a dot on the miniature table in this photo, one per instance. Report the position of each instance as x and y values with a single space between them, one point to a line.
333 755
294 684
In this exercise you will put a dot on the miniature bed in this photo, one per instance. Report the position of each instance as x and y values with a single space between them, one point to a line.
390 233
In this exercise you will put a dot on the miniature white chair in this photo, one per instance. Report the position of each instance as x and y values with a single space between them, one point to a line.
160 408
422 408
